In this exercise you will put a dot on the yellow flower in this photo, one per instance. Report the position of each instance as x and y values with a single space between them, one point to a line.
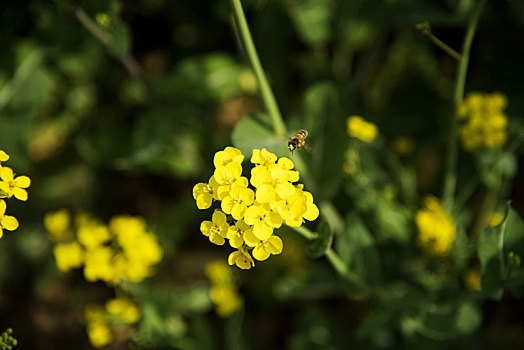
4 157
14 186
495 219
6 221
216 229
262 249
218 272
226 299
235 233
204 193
98 329
93 236
236 202
228 176
263 157
402 145
484 120
241 258
359 128
263 220
124 309
68 255
472 278
58 224
98 264
436 227
228 155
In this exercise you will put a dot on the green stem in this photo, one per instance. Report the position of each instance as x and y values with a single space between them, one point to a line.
450 179
426 30
305 232
267 94
501 250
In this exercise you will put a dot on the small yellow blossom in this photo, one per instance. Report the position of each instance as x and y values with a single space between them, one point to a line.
68 255
263 219
228 155
226 299
263 157
236 202
262 249
124 309
216 229
218 272
7 222
359 128
436 227
93 236
97 325
204 193
472 278
58 224
98 265
402 145
484 120
4 157
495 219
235 233
241 258
12 186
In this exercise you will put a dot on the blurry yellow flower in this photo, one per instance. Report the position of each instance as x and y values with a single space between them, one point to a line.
359 128
97 326
14 186
216 229
402 145
241 258
484 120
262 249
4 157
218 272
93 236
495 219
98 265
472 278
124 309
226 299
68 255
436 227
8 222
58 224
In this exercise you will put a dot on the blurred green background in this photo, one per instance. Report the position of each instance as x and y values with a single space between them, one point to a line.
119 106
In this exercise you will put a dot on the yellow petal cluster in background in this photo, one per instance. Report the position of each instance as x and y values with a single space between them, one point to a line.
120 311
223 291
10 185
359 128
484 120
248 216
436 229
122 250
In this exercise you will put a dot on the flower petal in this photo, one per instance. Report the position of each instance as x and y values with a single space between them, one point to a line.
275 245
262 231
273 219
204 200
3 207
260 253
238 211
219 218
20 193
6 174
9 223
23 181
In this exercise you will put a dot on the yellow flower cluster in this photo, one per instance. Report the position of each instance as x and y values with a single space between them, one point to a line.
122 250
484 120
10 186
223 291
436 229
359 128
254 212
99 319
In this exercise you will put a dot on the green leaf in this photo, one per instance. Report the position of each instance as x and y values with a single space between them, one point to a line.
318 246
356 247
493 248
255 131
312 18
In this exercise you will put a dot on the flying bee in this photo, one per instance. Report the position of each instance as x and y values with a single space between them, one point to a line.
297 141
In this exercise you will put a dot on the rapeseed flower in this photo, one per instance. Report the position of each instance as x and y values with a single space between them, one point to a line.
361 129
97 325
58 224
223 291
436 229
484 119
69 255
123 309
13 186
258 211
7 222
